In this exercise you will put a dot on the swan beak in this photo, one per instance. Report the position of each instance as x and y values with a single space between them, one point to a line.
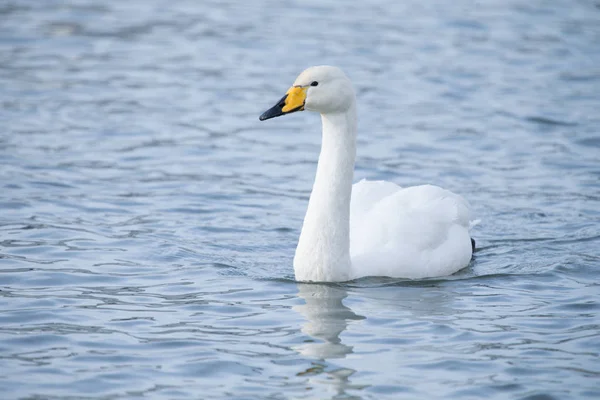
292 101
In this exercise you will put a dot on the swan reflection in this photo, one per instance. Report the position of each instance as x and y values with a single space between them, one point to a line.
326 318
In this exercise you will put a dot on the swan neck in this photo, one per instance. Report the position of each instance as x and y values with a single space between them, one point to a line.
323 252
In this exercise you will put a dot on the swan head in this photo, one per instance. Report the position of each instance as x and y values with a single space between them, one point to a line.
323 89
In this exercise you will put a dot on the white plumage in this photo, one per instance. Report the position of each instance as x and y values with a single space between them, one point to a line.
371 228
415 232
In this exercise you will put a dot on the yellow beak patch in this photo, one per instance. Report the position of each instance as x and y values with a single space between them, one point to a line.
296 96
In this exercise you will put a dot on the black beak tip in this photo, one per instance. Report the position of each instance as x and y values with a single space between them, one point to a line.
274 111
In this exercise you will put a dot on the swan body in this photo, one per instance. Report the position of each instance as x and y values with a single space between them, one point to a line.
371 228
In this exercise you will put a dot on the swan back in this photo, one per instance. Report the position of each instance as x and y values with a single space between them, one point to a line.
416 232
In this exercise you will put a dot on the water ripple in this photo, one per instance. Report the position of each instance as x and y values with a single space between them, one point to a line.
149 219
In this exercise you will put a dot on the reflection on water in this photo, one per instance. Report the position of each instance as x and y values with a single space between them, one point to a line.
337 380
417 300
406 308
326 318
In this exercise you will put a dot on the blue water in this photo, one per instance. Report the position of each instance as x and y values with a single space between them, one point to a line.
148 220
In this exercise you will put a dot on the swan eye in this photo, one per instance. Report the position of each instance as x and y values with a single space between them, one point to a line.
314 83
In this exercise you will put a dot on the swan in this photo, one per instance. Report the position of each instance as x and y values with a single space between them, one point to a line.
371 228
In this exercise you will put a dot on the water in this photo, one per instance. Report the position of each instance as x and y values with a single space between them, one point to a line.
148 219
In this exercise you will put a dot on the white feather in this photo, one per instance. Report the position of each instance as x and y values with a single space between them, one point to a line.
416 232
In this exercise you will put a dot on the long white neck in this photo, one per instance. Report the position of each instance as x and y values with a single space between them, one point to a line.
323 252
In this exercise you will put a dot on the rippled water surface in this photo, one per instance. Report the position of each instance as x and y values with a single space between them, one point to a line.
148 219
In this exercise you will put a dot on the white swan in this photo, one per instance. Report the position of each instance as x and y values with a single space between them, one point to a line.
371 228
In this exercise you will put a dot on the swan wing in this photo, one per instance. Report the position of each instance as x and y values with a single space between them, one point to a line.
413 232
